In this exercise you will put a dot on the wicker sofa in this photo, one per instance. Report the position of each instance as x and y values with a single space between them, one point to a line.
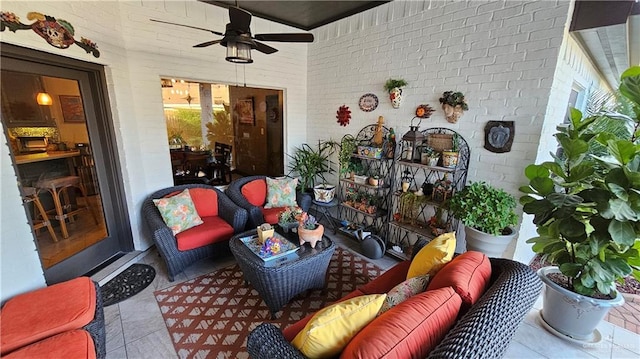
167 243
485 331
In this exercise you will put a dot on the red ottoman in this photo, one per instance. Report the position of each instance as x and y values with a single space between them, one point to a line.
72 344
62 307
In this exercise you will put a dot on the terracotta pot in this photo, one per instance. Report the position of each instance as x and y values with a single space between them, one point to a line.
310 235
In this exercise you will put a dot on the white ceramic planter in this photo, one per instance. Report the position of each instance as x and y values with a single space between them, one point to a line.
324 192
395 95
492 246
572 314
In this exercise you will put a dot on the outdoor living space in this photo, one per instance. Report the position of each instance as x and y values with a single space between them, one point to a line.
136 327
406 103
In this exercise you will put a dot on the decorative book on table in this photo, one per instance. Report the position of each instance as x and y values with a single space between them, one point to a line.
274 247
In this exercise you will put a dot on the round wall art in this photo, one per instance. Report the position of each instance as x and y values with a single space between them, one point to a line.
368 102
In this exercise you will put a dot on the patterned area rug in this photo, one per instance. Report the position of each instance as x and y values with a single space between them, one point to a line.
127 284
212 315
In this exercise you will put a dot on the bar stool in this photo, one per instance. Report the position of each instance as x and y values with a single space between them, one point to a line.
40 218
59 185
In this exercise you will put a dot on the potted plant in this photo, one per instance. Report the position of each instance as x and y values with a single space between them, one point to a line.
309 230
374 177
488 214
394 88
586 208
311 164
348 147
453 105
429 156
450 156
288 218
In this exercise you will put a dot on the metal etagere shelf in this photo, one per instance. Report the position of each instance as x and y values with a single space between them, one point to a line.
375 221
404 230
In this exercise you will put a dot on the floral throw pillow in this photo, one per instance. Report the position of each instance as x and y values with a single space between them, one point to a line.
404 291
178 212
281 192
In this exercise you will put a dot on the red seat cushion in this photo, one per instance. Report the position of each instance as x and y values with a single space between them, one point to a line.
389 279
255 192
205 200
271 214
468 274
411 329
291 331
214 229
75 344
33 316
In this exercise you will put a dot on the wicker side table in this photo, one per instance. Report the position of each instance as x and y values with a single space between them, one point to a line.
281 279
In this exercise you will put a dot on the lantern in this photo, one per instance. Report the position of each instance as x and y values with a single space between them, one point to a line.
411 143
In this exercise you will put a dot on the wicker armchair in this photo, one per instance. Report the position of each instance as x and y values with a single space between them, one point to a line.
166 242
485 331
256 215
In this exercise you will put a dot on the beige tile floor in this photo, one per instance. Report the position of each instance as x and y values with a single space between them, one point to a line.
135 328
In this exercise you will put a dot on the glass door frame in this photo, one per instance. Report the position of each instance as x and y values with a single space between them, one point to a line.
92 82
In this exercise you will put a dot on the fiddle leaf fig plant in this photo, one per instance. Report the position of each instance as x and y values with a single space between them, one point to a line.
587 207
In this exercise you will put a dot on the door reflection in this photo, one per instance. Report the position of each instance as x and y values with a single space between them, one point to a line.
51 150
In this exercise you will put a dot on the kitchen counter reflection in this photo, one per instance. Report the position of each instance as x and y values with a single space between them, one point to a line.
45 156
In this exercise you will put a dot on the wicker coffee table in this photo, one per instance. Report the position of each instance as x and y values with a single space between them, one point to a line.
279 280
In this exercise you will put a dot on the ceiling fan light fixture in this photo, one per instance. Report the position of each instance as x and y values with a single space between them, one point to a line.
238 52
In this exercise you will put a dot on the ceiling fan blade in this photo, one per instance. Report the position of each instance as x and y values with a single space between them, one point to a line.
208 43
293 37
264 48
240 19
189 26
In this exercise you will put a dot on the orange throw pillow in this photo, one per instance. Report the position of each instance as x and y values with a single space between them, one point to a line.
411 329
255 192
468 274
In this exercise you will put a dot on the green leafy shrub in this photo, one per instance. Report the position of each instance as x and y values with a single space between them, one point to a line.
485 208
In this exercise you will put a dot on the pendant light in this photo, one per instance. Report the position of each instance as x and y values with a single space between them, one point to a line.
44 99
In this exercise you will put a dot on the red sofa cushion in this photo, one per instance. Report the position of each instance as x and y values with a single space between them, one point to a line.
409 330
255 192
468 274
33 316
271 214
73 344
389 279
205 200
214 229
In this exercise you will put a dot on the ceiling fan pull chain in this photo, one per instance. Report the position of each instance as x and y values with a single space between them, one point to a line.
244 75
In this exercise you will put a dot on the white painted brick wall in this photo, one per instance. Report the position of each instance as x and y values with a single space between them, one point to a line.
136 53
493 52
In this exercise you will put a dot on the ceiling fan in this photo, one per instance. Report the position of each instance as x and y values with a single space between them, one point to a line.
238 40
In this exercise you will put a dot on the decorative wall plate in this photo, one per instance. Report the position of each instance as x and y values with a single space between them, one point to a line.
368 102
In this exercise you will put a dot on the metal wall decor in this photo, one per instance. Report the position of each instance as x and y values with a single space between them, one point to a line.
58 33
343 115
498 136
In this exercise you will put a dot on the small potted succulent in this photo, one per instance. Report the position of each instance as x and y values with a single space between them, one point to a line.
450 156
429 156
309 230
394 88
454 105
288 218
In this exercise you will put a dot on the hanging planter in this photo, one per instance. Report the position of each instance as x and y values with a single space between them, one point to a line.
453 105
394 88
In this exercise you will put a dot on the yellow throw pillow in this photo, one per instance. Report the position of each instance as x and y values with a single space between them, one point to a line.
331 328
433 256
